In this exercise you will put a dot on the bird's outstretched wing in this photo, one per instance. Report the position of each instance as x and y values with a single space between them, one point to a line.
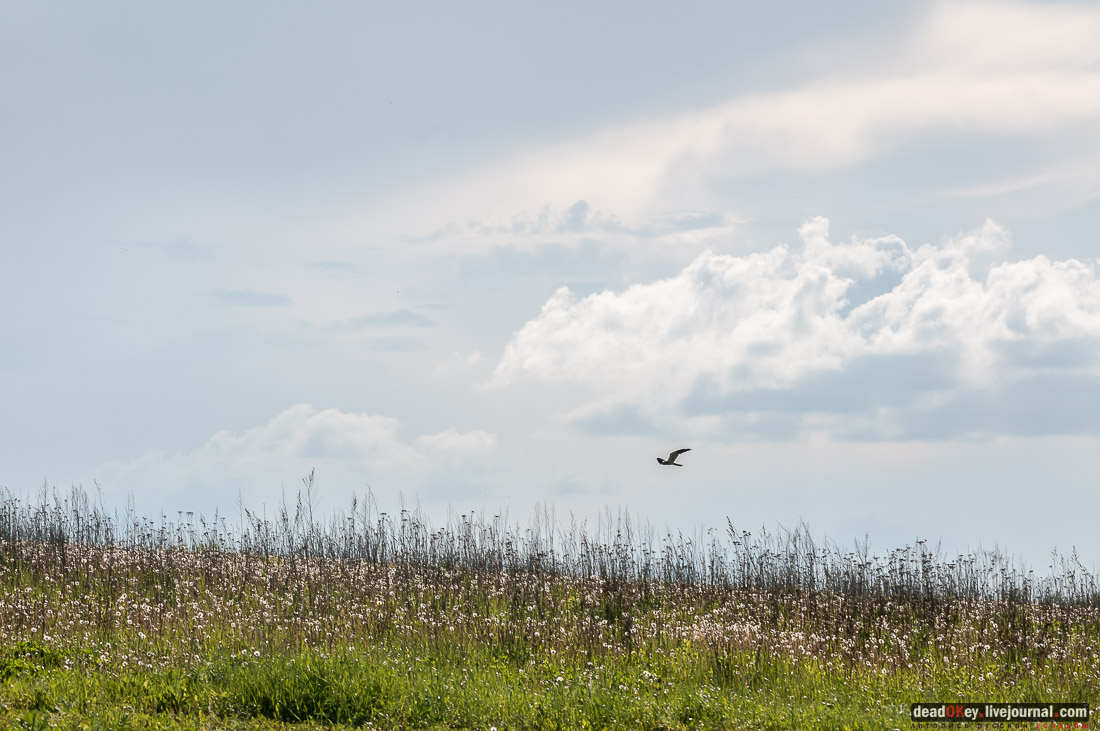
672 457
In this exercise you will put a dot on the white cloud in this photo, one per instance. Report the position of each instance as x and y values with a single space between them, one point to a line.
579 222
1000 69
347 450
1008 36
770 321
458 362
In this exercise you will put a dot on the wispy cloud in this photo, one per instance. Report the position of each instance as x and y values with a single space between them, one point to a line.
394 344
178 249
1014 71
331 265
248 298
579 222
395 318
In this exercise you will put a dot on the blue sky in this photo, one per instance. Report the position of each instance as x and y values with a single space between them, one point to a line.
490 255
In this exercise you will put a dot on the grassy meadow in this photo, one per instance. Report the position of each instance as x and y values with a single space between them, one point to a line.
364 619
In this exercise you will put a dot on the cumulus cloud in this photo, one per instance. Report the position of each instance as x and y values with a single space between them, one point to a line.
348 451
858 330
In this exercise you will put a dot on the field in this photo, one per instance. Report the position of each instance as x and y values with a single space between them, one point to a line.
365 619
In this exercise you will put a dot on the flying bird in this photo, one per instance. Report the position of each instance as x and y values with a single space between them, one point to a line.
672 457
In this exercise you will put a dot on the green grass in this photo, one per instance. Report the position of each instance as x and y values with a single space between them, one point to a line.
408 628
419 686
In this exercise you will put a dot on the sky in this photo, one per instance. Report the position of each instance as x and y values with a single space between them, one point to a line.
487 256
